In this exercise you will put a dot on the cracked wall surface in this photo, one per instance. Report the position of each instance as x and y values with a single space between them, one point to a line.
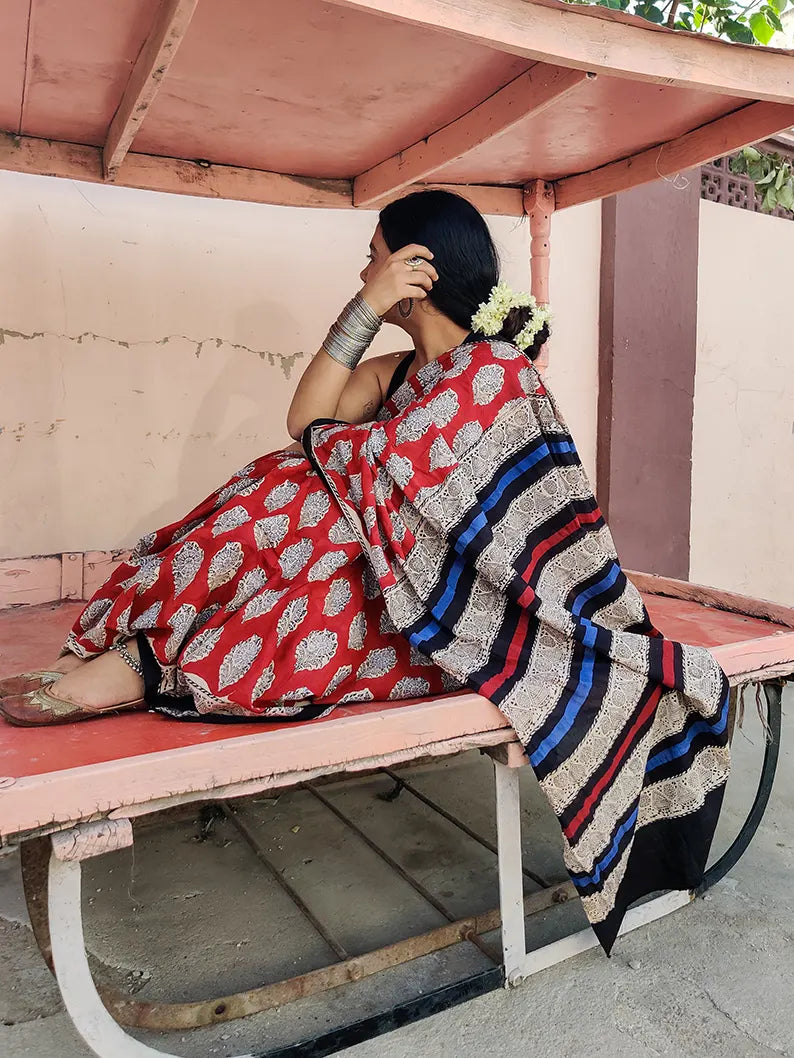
743 441
150 344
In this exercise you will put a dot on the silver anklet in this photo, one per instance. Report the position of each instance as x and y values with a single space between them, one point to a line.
124 654
352 333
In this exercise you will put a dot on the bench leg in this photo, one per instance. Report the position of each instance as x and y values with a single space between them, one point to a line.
518 963
100 1031
511 878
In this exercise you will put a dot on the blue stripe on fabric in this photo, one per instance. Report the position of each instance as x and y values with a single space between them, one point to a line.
478 522
700 727
583 687
610 854
506 479
606 582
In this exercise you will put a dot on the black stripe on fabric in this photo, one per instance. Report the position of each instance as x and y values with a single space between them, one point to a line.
552 525
308 447
499 647
678 665
656 659
586 716
440 639
667 854
470 551
587 888
703 739
523 662
584 792
578 655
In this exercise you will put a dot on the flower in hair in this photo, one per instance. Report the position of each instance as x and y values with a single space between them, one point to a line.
541 317
491 314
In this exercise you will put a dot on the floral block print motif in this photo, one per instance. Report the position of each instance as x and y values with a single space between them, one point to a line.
494 560
259 603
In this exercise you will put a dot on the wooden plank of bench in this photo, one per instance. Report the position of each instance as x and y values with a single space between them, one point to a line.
275 755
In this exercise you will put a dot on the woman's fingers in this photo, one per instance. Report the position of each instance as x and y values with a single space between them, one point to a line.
428 270
420 279
414 249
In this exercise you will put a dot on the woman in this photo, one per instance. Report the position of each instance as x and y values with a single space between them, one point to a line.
434 529
228 611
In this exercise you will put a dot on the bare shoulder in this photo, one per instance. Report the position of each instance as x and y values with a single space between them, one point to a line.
383 366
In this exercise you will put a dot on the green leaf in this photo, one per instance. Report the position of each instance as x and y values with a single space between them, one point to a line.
738 32
756 171
779 5
762 31
785 196
770 200
738 165
650 12
781 178
773 18
764 180
751 154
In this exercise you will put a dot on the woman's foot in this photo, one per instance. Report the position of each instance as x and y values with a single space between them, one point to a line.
105 684
68 663
32 681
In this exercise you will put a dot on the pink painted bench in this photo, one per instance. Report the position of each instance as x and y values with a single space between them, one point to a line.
70 793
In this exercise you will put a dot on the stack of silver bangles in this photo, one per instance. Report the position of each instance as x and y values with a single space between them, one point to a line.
351 335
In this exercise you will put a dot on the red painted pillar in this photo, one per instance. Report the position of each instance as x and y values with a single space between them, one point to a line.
648 345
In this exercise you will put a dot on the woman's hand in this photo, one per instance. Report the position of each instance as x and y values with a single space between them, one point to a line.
397 279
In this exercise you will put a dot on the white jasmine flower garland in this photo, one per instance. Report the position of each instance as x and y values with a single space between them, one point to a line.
491 315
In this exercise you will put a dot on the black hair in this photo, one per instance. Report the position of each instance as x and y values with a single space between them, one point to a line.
464 255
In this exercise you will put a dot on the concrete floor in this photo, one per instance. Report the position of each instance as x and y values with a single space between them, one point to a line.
186 918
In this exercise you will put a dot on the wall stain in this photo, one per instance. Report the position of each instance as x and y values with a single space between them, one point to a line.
284 361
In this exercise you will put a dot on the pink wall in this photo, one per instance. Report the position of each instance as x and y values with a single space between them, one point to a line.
743 445
150 344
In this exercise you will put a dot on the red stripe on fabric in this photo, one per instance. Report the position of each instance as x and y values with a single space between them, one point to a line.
527 596
555 538
511 659
584 811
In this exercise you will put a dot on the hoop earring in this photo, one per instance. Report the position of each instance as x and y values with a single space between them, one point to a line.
400 309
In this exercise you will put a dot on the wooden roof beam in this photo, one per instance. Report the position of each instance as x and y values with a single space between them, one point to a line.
727 134
151 66
567 36
530 93
27 154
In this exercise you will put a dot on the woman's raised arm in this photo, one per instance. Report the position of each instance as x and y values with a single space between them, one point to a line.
324 380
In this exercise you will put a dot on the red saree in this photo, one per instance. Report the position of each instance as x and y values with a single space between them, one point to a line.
259 603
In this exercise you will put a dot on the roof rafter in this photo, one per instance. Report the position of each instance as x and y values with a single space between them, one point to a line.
530 93
720 137
151 66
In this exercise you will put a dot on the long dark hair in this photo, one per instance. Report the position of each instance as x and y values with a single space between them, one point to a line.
464 255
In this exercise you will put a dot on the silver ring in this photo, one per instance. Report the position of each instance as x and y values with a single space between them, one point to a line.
413 262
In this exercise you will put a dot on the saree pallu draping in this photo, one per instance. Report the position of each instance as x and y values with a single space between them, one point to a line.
493 559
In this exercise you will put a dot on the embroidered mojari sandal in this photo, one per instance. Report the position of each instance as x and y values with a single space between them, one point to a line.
39 708
27 681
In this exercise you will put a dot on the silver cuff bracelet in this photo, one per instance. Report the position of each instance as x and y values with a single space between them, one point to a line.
352 333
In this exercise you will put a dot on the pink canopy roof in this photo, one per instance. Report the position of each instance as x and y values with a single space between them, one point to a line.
350 102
